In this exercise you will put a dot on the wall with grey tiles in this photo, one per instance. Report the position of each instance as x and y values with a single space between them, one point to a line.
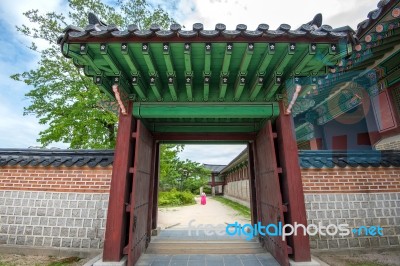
355 209
53 219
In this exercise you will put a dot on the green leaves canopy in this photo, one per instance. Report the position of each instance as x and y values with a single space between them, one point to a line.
62 97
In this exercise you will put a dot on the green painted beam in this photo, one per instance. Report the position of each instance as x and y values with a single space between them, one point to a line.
239 86
167 58
305 131
256 86
187 57
273 86
267 58
172 86
310 54
202 142
225 71
203 128
105 85
207 71
223 85
87 54
227 58
149 63
241 77
285 60
138 86
170 72
128 57
110 59
322 63
206 86
155 86
189 85
226 111
246 58
207 58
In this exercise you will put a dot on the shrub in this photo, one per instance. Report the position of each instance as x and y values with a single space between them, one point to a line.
175 198
207 190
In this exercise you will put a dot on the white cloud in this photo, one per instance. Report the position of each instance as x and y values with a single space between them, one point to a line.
211 154
17 131
11 14
273 13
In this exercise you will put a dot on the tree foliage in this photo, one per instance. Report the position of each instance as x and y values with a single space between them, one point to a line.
63 98
179 174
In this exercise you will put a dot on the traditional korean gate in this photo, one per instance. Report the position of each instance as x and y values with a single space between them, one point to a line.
205 85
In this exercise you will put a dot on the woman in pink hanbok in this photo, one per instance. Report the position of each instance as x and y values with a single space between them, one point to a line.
203 198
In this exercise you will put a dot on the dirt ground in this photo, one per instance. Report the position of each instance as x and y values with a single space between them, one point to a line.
22 260
364 257
213 212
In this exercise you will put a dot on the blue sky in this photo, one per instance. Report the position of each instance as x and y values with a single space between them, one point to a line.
18 131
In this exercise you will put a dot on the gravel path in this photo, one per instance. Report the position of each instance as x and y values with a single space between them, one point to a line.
213 212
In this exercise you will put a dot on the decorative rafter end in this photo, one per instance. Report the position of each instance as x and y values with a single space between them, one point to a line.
118 98
292 102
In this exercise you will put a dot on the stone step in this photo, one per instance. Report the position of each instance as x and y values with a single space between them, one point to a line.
204 247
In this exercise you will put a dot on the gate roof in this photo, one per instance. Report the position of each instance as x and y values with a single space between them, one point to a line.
215 80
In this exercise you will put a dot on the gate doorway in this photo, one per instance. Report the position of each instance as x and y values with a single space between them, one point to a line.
275 182
191 170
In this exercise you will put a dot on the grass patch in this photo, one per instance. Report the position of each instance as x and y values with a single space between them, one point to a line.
64 261
243 210
364 263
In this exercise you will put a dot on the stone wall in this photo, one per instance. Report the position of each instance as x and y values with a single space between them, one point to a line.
238 189
355 209
54 206
53 219
357 196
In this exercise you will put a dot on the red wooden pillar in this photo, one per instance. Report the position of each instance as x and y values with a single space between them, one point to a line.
154 208
292 186
115 236
153 195
252 184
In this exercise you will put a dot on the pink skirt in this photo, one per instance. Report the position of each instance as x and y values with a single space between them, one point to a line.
203 200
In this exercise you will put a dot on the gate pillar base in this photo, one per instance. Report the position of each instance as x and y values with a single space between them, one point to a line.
122 262
304 263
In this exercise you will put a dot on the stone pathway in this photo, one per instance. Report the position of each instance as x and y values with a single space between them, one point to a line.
207 260
215 215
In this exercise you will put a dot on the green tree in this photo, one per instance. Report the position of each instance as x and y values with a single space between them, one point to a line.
62 96
179 174
193 176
